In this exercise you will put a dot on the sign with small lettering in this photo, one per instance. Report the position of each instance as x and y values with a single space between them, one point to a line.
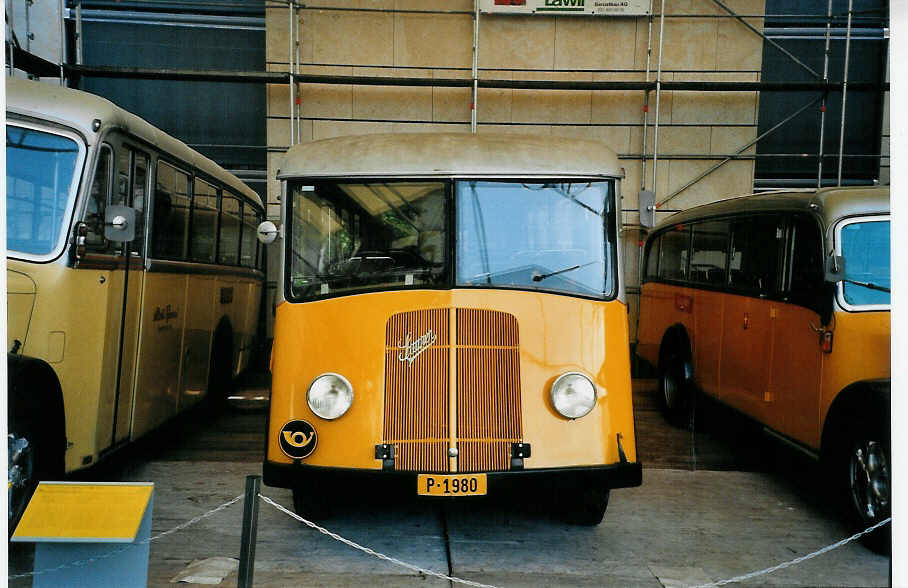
567 7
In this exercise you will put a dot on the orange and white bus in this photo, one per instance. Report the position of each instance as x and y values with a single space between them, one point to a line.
134 279
453 317
778 306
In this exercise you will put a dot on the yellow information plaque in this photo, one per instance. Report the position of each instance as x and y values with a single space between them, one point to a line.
80 511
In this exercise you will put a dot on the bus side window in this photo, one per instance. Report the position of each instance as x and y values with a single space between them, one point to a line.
709 251
807 259
139 188
98 197
754 254
203 241
171 213
652 259
229 248
674 254
250 226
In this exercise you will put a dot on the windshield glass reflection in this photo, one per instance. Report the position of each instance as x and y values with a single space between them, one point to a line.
40 168
549 236
865 246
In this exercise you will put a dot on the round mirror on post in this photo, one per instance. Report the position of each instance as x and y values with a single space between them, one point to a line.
267 232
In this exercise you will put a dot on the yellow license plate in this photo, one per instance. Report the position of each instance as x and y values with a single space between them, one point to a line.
451 485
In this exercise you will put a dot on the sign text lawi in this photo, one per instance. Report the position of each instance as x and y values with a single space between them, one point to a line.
567 7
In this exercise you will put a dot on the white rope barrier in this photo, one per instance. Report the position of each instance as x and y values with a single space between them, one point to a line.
371 552
796 560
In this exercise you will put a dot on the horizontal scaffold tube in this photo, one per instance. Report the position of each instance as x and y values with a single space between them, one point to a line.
604 85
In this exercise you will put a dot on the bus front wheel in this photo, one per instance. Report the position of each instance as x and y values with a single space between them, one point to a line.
865 465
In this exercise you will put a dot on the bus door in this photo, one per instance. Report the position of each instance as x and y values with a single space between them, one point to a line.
130 189
797 344
748 321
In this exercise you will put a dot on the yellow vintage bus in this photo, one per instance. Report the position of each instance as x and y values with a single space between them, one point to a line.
778 306
134 279
453 317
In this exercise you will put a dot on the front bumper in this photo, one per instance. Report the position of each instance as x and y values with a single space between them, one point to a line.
618 475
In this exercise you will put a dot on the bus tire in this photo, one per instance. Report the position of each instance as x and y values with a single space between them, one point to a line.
311 504
863 469
36 436
675 389
220 370
589 506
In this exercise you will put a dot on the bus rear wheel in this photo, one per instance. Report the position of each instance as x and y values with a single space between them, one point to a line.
674 388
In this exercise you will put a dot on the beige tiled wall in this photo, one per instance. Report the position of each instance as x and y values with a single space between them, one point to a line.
708 47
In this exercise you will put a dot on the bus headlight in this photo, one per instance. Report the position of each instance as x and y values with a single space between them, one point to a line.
330 396
573 395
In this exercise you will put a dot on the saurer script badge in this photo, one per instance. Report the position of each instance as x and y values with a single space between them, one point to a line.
298 439
410 350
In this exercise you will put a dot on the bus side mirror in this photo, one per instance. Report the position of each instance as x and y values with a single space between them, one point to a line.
646 201
120 224
835 268
266 232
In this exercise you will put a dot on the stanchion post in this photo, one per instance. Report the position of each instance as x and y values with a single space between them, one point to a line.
250 526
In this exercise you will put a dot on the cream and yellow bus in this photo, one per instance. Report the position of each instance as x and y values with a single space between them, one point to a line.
453 317
778 306
134 278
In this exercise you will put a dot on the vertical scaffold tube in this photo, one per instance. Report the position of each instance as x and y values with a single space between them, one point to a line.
844 92
475 98
658 97
823 105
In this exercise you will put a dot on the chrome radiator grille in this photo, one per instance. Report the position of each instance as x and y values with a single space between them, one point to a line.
418 390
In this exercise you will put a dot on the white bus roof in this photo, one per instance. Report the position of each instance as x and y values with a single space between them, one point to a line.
450 154
78 110
830 204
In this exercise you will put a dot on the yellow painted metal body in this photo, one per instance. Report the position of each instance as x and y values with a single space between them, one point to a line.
70 318
763 357
73 510
557 333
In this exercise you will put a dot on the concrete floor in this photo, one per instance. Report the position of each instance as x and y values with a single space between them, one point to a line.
713 505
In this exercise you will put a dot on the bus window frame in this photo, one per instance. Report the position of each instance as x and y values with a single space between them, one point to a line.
837 247
105 248
169 160
76 187
610 231
192 208
286 210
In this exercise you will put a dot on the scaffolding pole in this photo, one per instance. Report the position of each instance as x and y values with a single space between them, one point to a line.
823 105
475 73
649 53
658 97
844 91
291 80
738 152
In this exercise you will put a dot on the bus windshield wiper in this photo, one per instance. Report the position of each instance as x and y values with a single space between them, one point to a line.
540 277
869 285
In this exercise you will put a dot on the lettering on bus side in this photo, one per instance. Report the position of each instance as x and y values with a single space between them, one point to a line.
164 314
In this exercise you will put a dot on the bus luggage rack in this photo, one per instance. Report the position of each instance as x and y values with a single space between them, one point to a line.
418 395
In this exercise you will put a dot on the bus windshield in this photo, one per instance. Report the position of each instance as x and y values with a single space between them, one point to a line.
865 245
348 237
539 236
40 173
